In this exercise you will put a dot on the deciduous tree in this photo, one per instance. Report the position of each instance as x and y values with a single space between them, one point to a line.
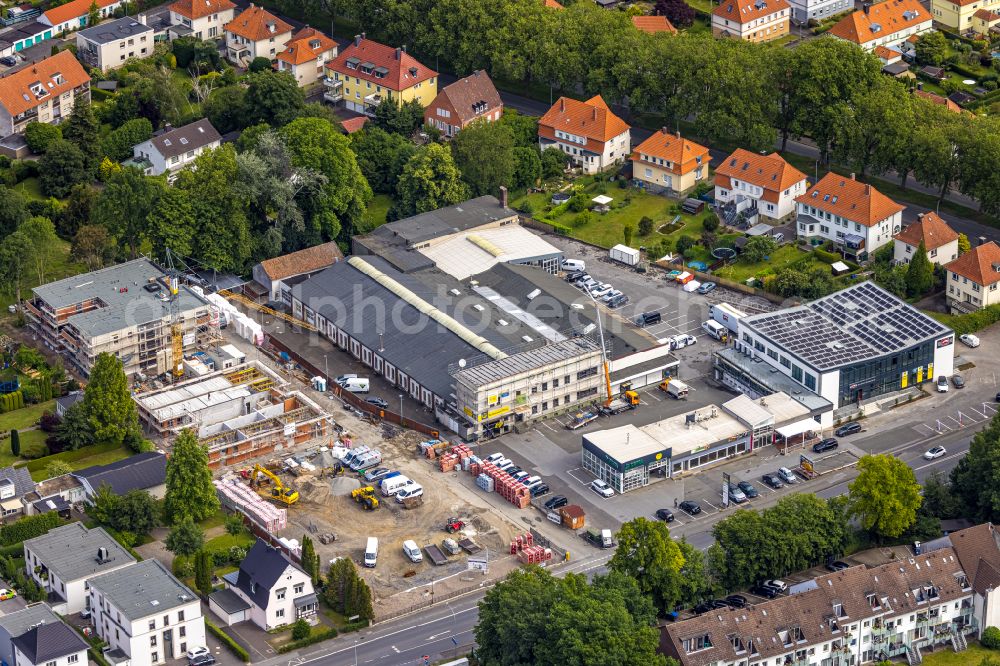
430 180
44 245
189 481
107 401
125 204
39 136
13 210
484 153
75 430
273 98
61 167
93 245
185 538
381 156
885 495
15 262
678 12
757 249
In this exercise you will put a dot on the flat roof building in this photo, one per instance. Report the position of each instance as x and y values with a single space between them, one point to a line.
124 310
110 44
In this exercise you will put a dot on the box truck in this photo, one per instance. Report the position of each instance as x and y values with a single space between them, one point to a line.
674 388
625 255
715 329
727 315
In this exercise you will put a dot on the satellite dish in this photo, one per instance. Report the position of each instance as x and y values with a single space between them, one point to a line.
461 362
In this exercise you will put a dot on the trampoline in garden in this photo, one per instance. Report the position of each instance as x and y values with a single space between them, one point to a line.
724 253
697 265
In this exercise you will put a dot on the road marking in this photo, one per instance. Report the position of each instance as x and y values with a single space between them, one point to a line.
711 505
394 649
940 460
570 472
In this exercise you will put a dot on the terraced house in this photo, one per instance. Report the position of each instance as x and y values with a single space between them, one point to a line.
888 23
44 92
668 163
855 216
766 183
367 73
594 138
931 599
752 20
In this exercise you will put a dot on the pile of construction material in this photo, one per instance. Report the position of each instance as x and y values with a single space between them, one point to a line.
244 326
504 484
523 545
344 485
236 496
457 457
432 447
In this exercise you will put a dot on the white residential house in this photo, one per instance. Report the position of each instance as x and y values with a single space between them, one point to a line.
276 590
593 137
940 241
767 182
853 215
204 18
66 558
35 636
145 615
112 43
256 33
973 278
174 148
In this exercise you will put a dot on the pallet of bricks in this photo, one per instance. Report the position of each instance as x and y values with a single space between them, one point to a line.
503 483
431 448
456 458
523 545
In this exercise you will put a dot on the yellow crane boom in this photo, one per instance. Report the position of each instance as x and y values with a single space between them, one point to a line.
239 298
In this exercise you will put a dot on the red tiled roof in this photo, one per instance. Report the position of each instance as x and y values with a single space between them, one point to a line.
934 98
352 125
552 4
682 153
881 19
305 46
770 172
850 199
654 24
977 264
988 15
979 553
15 89
465 94
745 11
256 23
929 229
404 71
73 9
196 9
592 119
304 261
887 54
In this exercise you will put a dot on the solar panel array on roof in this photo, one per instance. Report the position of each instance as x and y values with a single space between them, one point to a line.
855 324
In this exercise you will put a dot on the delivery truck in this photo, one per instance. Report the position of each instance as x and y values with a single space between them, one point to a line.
674 388
625 255
600 538
627 400
715 329
727 315
581 419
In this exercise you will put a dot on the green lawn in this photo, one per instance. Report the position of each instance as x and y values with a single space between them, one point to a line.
377 211
61 267
947 657
100 454
783 256
31 188
20 419
217 519
607 229
227 541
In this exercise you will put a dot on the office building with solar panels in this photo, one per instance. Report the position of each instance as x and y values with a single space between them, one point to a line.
849 348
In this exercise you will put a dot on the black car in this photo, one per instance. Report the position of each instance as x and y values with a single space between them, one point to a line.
10 61
958 381
718 603
556 502
378 402
747 489
203 660
848 429
765 591
703 607
690 507
772 481
996 398
514 470
570 277
828 444
539 490
736 601
648 318
837 565
666 515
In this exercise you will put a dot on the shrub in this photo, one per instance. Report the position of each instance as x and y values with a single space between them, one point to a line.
301 629
317 637
645 226
29 527
991 638
182 567
228 641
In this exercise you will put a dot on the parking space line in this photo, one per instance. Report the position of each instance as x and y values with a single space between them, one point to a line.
570 472
710 504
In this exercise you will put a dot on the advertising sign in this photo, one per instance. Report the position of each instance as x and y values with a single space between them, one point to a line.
725 490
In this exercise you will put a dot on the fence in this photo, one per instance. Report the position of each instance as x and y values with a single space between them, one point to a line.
355 401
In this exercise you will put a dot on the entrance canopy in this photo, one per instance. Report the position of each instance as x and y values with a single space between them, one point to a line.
797 428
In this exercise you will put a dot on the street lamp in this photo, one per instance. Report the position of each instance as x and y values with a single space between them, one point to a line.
600 332
326 364
401 409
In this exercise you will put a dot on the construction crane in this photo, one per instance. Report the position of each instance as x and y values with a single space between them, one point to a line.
176 328
279 491
239 298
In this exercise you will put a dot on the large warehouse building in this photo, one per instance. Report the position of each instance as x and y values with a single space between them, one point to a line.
626 457
124 310
487 337
851 347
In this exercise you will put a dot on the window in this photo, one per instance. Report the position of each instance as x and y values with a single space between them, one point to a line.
50 663
152 625
72 659
280 612
280 594
796 373
152 641
154 657
182 632
298 588
166 620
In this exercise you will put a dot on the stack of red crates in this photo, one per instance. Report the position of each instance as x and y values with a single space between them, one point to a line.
520 542
448 462
534 555
505 485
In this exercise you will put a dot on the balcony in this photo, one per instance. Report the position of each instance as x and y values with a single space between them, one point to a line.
371 103
334 90
88 57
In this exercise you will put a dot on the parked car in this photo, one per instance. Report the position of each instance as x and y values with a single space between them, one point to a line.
736 495
772 481
787 475
942 384
196 652
378 402
666 515
958 381
9 61
848 429
601 488
970 339
935 452
203 660
513 469
7 593
556 502
747 489
828 444
718 603
648 318
837 565
736 601
703 607
706 287
540 489
764 591
377 474
618 301
779 585
611 295
690 507
996 398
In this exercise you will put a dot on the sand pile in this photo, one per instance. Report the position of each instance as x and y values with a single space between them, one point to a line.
343 485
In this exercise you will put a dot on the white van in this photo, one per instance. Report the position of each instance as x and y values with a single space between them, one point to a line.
574 265
392 486
531 482
367 461
416 490
411 551
371 552
357 385
354 454
493 458
343 378
715 329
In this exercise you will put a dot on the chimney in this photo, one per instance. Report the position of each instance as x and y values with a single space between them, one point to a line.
357 40
398 52
852 175
866 7
920 216
562 103
503 196
868 190
981 240
403 47
678 134
593 113
665 130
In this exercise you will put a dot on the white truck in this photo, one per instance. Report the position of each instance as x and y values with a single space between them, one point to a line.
356 385
675 388
625 255
727 315
715 329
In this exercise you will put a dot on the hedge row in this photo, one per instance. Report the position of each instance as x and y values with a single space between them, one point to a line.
39 464
29 527
972 322
317 637
228 641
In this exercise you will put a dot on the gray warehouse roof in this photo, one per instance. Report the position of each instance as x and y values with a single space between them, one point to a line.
122 291
861 322
443 221
492 371
139 472
112 31
70 551
143 589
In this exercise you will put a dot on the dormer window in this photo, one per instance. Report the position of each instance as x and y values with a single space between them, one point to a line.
697 643
737 643
838 610
963 581
873 602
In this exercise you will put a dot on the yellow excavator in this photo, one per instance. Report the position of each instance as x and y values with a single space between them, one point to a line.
279 492
365 496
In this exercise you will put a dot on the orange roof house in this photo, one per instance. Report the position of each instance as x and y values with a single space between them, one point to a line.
366 72
73 15
305 54
850 199
588 132
654 24
552 4
884 24
934 98
256 24
667 153
35 87
981 264
196 9
769 179
752 20
930 230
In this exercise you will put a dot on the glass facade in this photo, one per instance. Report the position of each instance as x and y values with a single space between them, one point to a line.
862 381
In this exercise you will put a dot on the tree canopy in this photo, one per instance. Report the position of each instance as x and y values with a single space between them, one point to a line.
190 493
108 402
885 495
